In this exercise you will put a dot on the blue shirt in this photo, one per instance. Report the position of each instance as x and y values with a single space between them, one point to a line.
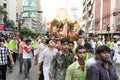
98 71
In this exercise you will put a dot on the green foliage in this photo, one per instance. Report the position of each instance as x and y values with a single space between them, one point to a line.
3 12
9 22
26 31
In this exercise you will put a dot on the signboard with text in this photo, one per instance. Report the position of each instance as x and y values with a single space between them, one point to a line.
29 8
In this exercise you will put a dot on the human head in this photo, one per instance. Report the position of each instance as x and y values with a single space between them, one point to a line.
87 47
7 39
64 43
79 41
81 53
23 38
28 41
104 53
50 43
70 45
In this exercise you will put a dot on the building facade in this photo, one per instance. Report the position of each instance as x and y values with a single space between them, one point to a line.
107 15
32 12
88 15
19 9
10 8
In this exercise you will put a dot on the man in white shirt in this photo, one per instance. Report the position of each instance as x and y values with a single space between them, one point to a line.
46 56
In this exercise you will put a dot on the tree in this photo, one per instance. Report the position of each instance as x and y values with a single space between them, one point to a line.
25 30
9 22
3 12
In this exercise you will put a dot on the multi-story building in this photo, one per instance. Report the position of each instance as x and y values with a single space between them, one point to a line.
29 11
87 15
19 9
107 15
10 8
32 11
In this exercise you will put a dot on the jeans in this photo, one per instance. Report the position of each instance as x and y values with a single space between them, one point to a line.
20 62
27 66
3 69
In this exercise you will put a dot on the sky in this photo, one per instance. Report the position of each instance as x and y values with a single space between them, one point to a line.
50 7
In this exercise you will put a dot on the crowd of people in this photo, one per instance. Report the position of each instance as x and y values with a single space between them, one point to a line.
60 59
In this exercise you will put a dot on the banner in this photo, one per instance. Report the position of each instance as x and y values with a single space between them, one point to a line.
8 28
1 27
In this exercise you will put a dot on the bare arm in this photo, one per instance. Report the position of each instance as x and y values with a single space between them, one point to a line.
11 58
38 69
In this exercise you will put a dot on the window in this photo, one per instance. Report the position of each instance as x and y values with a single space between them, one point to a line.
4 5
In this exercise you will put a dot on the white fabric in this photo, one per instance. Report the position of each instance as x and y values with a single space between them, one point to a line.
116 57
26 55
90 61
93 44
46 73
46 57
40 48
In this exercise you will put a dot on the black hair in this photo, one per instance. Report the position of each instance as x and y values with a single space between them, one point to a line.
48 40
28 40
79 47
71 42
6 37
63 40
102 49
87 45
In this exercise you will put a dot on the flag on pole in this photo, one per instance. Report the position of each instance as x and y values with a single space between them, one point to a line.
65 29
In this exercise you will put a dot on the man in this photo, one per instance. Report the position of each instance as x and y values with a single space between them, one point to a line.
78 70
46 57
27 57
4 52
9 46
103 69
78 42
21 44
61 61
14 46
111 46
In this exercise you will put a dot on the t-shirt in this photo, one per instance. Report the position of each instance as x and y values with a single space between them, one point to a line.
25 53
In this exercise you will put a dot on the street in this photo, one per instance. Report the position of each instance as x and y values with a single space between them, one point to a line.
33 73
16 76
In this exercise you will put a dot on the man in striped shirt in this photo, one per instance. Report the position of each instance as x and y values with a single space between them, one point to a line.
4 52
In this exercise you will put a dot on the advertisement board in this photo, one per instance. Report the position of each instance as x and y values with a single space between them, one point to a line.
29 8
